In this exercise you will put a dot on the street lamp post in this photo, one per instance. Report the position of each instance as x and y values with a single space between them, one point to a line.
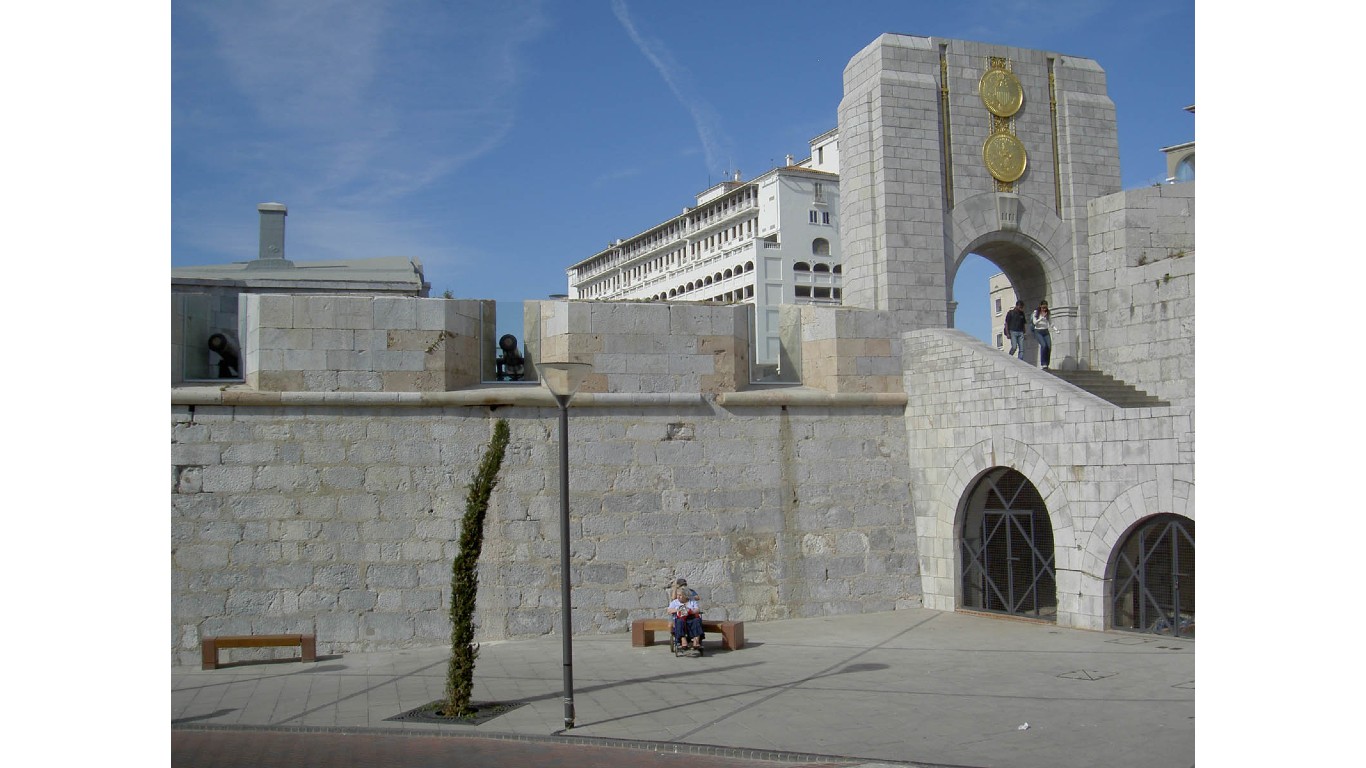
563 380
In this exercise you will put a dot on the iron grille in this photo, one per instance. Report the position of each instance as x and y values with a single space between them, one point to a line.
1007 548
1154 586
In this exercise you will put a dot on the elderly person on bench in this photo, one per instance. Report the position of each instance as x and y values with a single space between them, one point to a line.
687 617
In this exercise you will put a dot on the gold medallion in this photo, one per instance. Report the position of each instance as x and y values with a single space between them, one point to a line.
1001 92
1005 157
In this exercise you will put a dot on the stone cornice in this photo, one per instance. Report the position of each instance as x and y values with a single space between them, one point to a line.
533 396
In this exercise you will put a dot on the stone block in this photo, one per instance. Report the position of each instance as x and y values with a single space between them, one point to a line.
386 629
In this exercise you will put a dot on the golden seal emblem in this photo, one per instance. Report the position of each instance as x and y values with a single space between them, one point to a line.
1001 92
1005 157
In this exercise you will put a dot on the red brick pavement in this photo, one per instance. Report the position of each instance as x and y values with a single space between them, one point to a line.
305 749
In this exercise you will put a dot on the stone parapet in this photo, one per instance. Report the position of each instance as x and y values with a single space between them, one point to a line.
646 347
348 343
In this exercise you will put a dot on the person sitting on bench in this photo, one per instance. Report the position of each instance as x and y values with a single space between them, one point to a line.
687 617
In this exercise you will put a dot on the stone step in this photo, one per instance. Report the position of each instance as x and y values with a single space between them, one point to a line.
1110 389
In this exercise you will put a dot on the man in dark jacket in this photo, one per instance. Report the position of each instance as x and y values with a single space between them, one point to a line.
1015 329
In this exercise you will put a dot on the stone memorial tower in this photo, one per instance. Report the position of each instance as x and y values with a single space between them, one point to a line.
951 147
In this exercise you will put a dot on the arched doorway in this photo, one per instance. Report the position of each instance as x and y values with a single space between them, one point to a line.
1153 577
1006 548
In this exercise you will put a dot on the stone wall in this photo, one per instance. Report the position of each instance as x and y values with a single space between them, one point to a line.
336 514
343 343
1143 289
645 347
1099 468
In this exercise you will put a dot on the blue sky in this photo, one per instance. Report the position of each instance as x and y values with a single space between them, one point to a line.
500 142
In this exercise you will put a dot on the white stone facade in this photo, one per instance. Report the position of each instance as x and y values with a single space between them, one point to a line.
1142 280
1098 467
767 242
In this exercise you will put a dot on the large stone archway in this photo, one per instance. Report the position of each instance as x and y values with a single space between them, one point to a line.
1032 246
924 179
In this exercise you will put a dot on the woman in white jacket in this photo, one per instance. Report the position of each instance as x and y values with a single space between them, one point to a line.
1042 325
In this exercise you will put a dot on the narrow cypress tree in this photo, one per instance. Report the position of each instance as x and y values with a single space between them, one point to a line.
465 578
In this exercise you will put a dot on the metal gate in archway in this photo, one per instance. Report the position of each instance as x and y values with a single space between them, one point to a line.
1154 577
1006 548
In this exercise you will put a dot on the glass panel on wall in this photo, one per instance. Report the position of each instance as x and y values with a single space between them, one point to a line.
784 346
507 339
209 345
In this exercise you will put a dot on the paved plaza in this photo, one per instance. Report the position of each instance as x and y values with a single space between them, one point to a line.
915 686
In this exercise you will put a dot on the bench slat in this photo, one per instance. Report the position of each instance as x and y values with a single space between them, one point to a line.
257 641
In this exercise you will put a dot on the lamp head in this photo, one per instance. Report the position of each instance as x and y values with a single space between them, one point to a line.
563 379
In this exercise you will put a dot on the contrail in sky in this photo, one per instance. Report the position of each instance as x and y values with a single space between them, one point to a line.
705 119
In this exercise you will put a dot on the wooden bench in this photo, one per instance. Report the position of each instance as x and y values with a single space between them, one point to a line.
308 645
732 632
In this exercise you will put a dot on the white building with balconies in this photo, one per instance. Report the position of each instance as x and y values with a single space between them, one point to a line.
769 241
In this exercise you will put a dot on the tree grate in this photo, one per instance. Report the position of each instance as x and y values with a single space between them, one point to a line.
484 711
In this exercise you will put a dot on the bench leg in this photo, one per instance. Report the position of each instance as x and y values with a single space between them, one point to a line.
308 648
209 655
641 637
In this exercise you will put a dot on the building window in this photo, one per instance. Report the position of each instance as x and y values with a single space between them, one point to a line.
821 268
820 247
1185 170
825 217
801 266
813 217
998 308
803 291
1000 342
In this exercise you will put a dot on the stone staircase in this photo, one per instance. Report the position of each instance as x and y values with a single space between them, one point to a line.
1107 387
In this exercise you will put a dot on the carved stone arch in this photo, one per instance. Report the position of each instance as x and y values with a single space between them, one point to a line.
1036 234
1021 457
1130 508
1133 505
940 581
1093 556
1034 248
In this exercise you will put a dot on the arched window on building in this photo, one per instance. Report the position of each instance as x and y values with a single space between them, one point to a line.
801 266
1185 170
821 268
820 247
